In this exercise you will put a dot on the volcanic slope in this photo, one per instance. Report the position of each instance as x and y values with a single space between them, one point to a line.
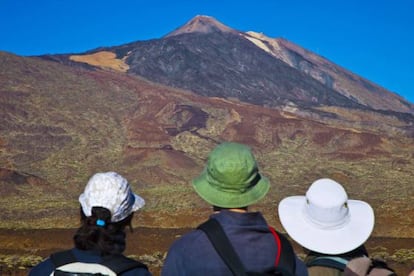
211 59
60 124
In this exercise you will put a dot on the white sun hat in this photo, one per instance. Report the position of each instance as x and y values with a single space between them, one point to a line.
324 220
113 192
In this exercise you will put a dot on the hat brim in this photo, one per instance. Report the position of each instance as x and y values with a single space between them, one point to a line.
138 204
228 199
329 241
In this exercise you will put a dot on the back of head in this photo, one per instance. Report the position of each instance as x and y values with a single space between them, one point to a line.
325 220
107 206
111 191
231 178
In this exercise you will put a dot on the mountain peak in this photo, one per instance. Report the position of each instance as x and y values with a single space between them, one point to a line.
201 24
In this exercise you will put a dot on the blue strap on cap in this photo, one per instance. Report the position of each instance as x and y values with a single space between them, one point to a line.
100 222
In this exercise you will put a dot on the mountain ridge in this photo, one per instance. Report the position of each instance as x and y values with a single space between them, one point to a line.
205 46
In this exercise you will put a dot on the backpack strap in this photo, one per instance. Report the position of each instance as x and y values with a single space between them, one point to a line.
286 261
224 248
63 257
117 263
329 261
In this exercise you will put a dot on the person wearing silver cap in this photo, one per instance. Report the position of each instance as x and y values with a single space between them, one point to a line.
107 207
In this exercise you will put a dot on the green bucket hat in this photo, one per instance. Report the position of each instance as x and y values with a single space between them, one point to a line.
231 178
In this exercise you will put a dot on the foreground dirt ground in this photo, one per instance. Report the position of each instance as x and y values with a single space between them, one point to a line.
150 245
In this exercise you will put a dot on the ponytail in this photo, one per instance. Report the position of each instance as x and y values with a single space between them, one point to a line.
97 232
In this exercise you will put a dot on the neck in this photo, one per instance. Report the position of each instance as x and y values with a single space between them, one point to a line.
237 210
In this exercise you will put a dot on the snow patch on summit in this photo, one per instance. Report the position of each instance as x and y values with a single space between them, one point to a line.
268 45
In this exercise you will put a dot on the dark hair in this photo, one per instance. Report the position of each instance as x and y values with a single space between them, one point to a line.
218 209
357 252
107 239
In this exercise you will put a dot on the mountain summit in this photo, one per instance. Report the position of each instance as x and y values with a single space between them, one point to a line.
210 59
201 24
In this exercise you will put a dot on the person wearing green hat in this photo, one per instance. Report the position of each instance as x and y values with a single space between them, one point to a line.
231 182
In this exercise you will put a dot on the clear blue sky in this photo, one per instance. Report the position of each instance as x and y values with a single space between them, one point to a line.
372 38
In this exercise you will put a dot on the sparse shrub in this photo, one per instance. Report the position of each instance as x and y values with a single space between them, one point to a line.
154 260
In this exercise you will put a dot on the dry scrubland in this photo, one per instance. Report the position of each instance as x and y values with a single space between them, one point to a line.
172 209
24 249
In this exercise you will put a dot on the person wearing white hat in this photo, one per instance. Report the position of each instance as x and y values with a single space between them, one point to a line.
330 226
107 206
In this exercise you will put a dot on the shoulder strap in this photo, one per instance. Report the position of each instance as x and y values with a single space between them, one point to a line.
224 248
285 258
120 264
329 261
63 257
